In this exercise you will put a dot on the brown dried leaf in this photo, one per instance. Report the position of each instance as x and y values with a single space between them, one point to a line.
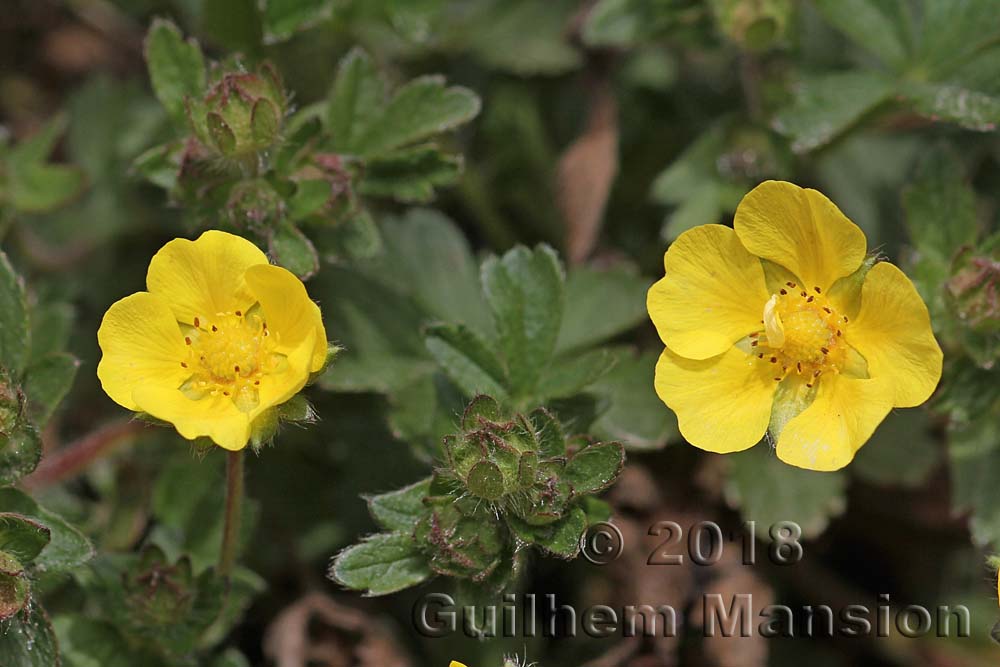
586 172
317 631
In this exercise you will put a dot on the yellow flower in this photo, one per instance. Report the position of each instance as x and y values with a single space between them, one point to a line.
219 340
456 664
780 324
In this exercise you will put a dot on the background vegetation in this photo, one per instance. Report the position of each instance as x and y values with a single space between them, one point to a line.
412 144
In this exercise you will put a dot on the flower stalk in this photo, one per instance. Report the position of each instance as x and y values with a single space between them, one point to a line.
234 512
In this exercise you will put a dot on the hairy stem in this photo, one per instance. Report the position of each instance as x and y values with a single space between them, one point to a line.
234 512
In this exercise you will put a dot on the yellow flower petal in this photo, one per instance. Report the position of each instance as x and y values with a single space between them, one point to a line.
802 231
277 388
141 345
204 277
289 311
215 417
844 414
723 404
712 295
893 333
456 664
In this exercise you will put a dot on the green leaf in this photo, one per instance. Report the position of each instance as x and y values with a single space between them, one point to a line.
636 416
525 292
89 642
422 108
971 109
20 453
401 509
525 37
467 359
595 468
768 491
411 174
941 207
601 304
612 23
51 327
902 452
382 564
27 640
573 373
310 196
975 476
561 538
875 25
21 537
354 236
67 548
176 68
47 381
37 188
355 101
283 18
428 258
827 105
292 250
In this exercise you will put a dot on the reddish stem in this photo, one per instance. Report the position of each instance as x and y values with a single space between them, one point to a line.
72 459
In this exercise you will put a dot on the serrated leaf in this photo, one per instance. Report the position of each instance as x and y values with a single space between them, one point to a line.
874 25
355 100
827 105
971 109
601 304
420 109
401 509
428 258
769 491
595 468
47 381
27 639
20 453
22 537
292 250
525 292
410 174
636 416
467 359
176 68
283 18
382 564
67 548
573 373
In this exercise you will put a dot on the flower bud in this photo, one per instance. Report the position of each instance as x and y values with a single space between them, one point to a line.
500 460
242 113
753 24
11 405
461 539
974 291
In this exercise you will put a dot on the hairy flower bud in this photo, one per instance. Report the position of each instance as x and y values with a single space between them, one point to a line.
973 294
242 113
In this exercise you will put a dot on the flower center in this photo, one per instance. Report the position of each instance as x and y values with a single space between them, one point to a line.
802 335
229 354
